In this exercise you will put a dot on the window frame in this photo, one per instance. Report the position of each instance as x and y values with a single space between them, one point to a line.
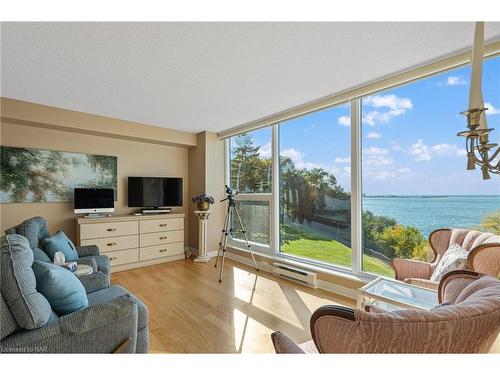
354 98
257 197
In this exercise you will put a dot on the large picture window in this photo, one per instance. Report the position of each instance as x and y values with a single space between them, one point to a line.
314 186
413 166
251 176
354 185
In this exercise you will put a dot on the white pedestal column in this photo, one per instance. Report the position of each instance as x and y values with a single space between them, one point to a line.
202 237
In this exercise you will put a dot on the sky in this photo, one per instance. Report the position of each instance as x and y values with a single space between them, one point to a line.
409 140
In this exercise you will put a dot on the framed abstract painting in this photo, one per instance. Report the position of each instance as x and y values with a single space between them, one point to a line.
35 175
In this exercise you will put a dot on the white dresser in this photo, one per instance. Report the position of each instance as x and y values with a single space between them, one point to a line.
134 241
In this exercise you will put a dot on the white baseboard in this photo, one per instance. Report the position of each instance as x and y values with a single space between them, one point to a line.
338 289
248 261
212 254
321 284
192 251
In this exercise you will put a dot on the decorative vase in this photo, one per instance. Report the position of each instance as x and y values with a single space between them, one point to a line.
203 206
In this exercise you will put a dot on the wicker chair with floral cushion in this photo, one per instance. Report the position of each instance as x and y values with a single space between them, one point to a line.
483 248
466 321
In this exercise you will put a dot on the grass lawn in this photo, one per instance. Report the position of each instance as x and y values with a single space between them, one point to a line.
333 252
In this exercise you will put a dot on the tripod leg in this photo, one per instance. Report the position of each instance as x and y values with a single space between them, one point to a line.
224 246
246 238
222 237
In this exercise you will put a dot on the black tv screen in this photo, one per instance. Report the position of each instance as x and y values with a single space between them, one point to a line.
154 191
89 200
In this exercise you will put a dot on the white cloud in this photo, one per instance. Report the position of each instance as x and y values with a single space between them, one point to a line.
444 149
390 101
420 151
403 170
386 107
377 164
373 135
292 153
378 160
453 81
396 106
491 109
396 146
342 160
297 157
265 151
370 151
344 121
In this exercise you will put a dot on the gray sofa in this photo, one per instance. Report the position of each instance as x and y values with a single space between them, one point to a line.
114 319
35 230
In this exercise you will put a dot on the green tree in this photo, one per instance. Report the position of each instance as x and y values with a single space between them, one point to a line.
303 192
402 242
372 226
491 222
249 172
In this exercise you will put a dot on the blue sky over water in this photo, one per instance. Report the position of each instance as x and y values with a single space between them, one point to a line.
409 140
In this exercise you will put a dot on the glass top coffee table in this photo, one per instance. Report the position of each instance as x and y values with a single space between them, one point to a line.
390 295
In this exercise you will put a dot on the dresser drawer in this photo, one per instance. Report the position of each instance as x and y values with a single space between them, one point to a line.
160 238
99 230
117 258
157 225
161 251
113 243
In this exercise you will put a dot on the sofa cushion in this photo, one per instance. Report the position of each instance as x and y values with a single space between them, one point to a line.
29 308
63 290
29 229
40 255
115 291
60 242
455 258
8 324
32 229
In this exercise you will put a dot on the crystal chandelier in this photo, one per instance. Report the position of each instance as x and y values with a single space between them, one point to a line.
477 137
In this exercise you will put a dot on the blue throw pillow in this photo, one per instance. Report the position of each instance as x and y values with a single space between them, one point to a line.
60 242
60 287
41 255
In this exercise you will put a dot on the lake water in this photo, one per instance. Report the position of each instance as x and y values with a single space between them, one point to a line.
429 213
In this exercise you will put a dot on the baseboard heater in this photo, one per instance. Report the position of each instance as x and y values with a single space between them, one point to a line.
298 275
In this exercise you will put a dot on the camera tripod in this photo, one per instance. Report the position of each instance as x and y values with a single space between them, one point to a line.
227 230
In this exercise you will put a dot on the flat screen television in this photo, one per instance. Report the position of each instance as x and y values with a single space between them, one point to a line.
93 201
154 192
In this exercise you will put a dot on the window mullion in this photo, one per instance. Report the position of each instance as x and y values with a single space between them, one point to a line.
275 209
356 196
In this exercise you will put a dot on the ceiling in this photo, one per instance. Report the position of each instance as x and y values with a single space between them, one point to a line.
210 76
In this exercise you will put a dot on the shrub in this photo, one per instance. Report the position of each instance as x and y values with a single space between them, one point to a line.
403 242
491 222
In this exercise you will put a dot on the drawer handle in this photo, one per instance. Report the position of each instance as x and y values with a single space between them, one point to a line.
111 229
113 258
162 250
163 225
163 238
111 244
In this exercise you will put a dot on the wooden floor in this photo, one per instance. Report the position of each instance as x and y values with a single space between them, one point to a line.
191 312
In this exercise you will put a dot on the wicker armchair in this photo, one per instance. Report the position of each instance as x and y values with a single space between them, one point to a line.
484 256
467 321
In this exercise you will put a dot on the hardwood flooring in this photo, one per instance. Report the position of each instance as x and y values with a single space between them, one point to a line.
191 312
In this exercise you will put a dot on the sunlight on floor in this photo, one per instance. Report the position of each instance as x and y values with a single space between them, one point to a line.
191 312
256 291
